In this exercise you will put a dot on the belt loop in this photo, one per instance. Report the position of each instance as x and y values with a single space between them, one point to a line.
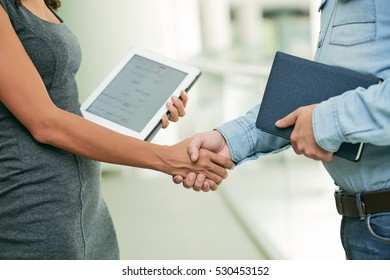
339 206
360 206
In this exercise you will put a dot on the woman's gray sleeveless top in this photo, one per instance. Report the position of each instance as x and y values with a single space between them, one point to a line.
51 205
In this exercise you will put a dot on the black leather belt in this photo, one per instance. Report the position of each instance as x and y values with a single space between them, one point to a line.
369 203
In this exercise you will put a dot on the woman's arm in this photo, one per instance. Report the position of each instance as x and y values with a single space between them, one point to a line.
22 91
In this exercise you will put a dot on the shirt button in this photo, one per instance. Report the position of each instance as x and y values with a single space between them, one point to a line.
319 45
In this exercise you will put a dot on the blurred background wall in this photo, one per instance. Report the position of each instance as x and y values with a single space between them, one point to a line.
277 207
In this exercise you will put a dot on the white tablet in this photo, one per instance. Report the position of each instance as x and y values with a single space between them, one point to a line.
131 99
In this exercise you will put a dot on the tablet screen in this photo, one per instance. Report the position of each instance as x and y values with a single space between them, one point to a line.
136 93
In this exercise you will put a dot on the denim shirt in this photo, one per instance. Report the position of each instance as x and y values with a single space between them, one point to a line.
354 34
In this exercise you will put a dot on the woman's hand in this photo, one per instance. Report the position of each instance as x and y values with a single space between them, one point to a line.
176 109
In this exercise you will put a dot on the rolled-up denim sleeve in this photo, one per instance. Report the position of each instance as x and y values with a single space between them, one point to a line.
360 115
246 141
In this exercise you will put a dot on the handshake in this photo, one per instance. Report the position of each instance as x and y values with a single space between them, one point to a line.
204 164
201 162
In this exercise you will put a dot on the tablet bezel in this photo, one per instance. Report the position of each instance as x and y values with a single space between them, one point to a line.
153 124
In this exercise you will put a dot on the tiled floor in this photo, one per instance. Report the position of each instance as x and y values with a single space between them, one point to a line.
287 204
156 219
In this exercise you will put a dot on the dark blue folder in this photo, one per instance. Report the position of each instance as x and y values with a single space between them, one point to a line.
294 82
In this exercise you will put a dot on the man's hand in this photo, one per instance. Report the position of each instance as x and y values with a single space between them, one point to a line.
302 137
212 141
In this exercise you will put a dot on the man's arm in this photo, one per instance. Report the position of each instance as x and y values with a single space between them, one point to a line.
238 139
360 115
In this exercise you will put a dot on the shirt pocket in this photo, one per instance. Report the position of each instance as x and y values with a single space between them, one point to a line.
354 22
